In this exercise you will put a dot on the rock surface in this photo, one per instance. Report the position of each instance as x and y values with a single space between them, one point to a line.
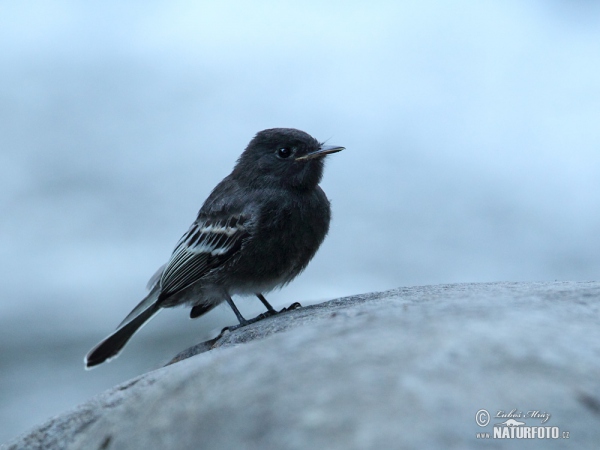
406 368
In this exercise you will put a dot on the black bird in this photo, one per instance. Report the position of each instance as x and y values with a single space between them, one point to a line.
257 230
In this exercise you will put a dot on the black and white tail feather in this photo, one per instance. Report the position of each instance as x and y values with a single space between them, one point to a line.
207 245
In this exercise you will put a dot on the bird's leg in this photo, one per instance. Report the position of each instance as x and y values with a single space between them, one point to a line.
236 311
266 303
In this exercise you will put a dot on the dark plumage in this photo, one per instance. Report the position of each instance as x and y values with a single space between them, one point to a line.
257 230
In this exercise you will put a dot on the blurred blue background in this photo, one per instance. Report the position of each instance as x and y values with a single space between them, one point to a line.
473 154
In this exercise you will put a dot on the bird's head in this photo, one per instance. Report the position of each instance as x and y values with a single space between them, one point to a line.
283 157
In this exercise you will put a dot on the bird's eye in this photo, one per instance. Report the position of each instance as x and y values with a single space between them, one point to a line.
284 152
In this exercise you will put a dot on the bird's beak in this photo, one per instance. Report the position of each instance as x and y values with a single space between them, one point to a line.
322 151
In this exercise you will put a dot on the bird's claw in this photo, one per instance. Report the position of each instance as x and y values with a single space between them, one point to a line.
292 307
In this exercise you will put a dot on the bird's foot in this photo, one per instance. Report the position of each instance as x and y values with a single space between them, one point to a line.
262 316
292 307
249 321
271 313
266 314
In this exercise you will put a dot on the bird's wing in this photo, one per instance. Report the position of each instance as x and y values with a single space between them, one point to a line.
155 278
207 245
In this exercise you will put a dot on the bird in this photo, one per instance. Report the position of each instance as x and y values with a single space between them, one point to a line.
257 230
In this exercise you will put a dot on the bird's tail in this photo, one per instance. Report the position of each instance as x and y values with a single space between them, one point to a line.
111 346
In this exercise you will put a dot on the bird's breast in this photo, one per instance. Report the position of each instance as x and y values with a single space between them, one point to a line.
286 236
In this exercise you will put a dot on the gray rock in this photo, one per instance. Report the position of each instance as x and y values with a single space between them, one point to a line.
407 368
